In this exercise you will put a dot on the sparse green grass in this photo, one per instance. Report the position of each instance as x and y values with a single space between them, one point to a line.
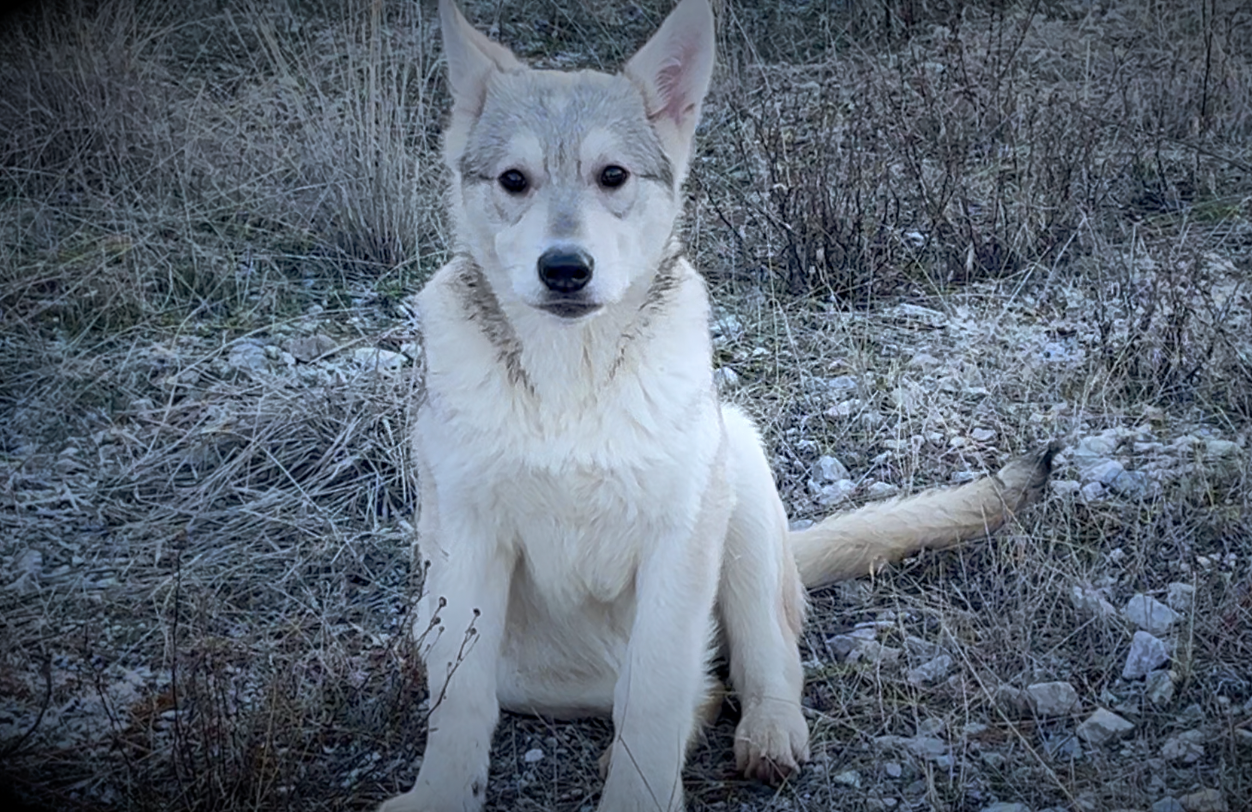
922 196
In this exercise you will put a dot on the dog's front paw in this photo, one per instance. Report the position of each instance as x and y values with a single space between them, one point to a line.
424 798
771 741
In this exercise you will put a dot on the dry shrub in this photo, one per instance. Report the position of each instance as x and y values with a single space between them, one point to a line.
979 148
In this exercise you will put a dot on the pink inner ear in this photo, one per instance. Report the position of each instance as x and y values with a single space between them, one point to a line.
672 91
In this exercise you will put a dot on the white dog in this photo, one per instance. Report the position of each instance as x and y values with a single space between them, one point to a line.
593 521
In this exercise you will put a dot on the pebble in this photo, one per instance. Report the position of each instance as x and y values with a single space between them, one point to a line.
1159 688
1147 653
1180 596
831 469
1053 698
1150 614
881 490
1187 747
1205 800
1167 804
532 755
1103 726
725 378
931 671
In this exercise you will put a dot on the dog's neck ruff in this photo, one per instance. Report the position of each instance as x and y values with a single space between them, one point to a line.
593 349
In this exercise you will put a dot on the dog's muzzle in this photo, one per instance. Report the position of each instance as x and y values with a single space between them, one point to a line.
565 272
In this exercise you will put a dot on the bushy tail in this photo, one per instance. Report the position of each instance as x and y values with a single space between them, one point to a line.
852 544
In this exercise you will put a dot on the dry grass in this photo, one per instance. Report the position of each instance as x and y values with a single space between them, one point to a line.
998 221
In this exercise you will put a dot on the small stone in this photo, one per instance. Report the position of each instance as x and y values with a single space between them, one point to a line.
1053 698
1158 688
831 469
1103 726
1205 800
248 355
850 778
1013 700
725 378
375 359
1090 601
307 349
532 755
1133 484
1002 806
931 671
1180 596
1091 492
982 435
1091 451
1243 737
881 490
1167 804
1217 449
1147 654
1150 614
1187 747
831 494
892 769
1106 472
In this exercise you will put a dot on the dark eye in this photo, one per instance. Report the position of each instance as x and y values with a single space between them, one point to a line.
513 181
613 176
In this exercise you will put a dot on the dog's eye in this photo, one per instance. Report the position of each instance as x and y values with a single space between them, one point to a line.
513 181
613 176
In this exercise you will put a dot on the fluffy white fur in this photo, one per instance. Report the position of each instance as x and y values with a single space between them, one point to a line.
595 523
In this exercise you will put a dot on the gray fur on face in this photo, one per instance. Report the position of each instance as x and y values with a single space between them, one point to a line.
560 110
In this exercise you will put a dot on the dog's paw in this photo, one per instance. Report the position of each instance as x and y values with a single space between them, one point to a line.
426 799
771 742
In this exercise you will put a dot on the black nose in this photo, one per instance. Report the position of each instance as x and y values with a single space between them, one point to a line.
565 270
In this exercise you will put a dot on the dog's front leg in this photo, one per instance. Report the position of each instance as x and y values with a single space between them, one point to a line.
462 620
664 679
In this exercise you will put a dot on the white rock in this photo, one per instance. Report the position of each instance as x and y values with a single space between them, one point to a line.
1205 800
929 747
1103 726
1004 806
1091 601
1167 804
1105 472
374 359
1180 596
881 490
850 778
892 769
1147 653
725 378
931 671
1150 614
982 435
1218 449
248 355
1053 698
1187 747
831 469
1159 687
532 755
1090 451
1091 492
833 493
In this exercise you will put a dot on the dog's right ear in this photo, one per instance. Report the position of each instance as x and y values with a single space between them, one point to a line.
471 58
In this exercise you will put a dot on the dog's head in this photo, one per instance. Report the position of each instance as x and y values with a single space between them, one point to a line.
566 186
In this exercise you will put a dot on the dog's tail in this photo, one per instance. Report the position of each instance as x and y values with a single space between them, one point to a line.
852 544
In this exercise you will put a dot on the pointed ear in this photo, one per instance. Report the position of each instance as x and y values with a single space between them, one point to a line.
471 57
673 71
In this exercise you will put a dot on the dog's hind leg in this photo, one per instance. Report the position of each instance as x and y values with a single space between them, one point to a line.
761 606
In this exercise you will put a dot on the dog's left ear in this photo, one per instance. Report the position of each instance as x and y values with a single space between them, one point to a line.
673 70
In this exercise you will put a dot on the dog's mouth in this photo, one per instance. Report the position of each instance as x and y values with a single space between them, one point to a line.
569 308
